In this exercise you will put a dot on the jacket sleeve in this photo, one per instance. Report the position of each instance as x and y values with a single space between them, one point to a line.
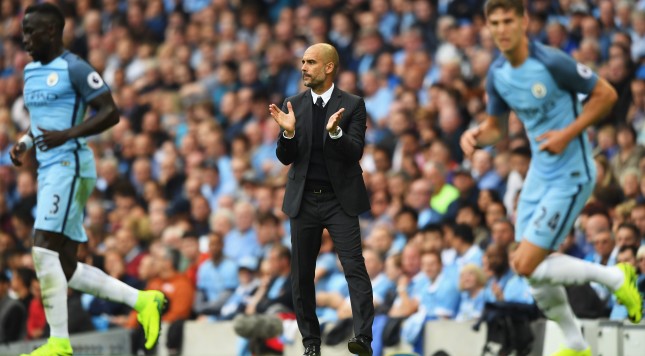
350 146
287 149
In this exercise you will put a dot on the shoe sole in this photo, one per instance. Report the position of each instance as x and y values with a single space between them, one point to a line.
357 349
162 308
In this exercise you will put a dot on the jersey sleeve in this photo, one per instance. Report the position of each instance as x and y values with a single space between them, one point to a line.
569 74
496 105
87 82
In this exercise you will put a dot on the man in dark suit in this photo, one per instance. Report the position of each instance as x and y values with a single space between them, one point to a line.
325 189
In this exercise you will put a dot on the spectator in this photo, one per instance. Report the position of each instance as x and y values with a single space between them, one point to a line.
131 251
242 241
13 316
191 258
36 322
274 293
471 285
21 279
502 232
463 242
442 193
216 280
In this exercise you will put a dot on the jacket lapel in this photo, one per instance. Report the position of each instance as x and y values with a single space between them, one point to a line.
332 106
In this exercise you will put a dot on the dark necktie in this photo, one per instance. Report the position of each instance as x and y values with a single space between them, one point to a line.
319 102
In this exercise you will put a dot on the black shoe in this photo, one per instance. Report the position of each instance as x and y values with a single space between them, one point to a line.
312 350
360 345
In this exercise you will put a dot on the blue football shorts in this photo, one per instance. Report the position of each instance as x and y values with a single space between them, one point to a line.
546 212
62 195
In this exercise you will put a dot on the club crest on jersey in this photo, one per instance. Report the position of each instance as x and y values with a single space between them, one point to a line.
539 90
52 79
94 80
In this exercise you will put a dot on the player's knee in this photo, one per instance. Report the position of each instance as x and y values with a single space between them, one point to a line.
522 266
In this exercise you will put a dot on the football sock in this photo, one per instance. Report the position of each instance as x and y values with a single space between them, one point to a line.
91 280
53 286
567 270
552 300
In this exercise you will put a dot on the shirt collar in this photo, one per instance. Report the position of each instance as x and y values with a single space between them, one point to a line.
325 96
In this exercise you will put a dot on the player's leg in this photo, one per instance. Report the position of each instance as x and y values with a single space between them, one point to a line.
547 226
91 280
551 299
54 192
554 215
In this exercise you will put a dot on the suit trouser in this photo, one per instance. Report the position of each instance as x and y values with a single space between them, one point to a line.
319 211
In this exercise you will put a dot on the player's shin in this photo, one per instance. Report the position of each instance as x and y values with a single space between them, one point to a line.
567 270
552 300
53 285
92 280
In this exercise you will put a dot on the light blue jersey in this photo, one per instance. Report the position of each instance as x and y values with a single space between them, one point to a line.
56 95
543 92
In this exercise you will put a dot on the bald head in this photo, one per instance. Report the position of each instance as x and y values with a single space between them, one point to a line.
328 54
320 65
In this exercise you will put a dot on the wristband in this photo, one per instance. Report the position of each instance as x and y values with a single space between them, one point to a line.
27 140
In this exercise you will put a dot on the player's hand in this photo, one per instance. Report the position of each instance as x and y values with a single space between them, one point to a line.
286 121
468 141
16 153
50 139
332 124
554 141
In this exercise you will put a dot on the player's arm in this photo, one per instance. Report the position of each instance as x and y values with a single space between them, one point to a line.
601 100
106 116
89 85
494 127
492 130
576 78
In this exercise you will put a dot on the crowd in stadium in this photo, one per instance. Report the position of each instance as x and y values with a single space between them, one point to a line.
189 194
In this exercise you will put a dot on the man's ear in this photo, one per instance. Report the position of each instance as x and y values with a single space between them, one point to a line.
329 67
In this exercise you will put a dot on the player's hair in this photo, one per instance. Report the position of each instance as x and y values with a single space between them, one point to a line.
50 10
515 5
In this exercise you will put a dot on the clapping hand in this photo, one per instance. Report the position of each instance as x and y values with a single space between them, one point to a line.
332 124
286 121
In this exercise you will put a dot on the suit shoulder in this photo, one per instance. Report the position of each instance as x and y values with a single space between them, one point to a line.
351 96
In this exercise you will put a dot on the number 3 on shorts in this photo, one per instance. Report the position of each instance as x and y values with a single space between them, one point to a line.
54 209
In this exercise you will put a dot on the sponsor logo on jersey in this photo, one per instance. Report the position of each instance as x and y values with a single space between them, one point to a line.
539 90
94 80
39 98
52 79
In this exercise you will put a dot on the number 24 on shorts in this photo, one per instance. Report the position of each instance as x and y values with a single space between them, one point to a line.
552 223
